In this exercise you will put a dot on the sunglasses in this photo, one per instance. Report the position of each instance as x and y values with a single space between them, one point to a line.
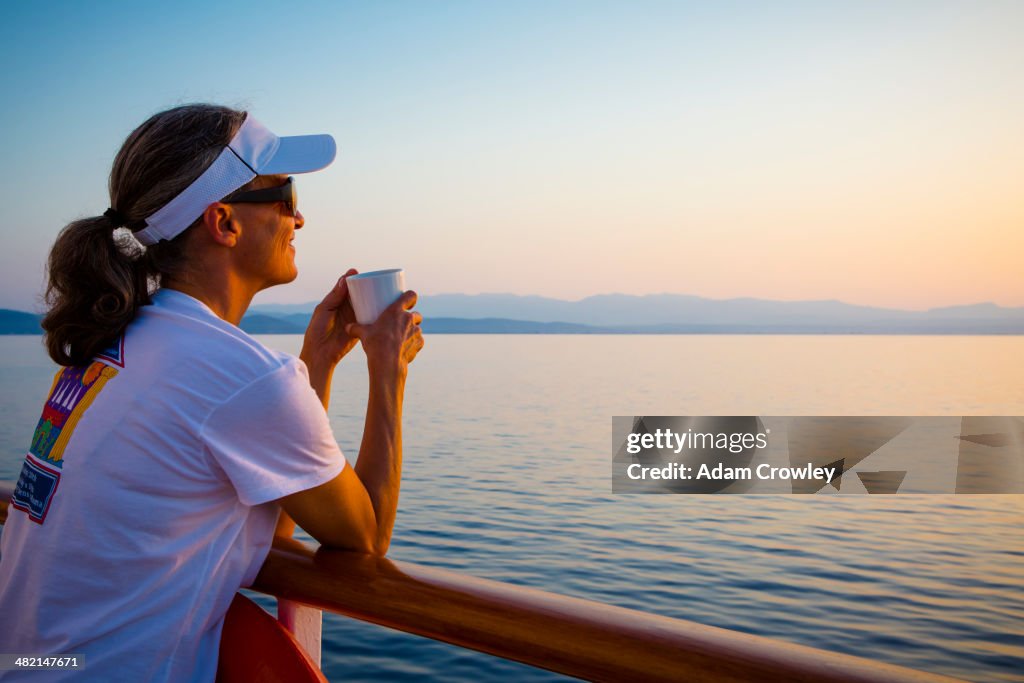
282 193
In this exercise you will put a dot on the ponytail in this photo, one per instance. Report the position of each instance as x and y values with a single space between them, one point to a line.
95 289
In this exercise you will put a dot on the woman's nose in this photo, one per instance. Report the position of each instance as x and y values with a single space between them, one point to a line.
300 220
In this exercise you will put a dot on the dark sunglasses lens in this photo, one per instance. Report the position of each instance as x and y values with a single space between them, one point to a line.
293 202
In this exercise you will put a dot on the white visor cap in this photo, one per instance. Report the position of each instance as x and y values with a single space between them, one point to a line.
253 151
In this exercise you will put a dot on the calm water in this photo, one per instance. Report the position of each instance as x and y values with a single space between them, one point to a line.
507 477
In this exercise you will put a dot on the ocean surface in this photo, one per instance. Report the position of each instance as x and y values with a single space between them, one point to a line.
507 477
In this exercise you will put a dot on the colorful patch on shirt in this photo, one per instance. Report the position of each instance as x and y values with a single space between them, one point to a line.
73 391
35 488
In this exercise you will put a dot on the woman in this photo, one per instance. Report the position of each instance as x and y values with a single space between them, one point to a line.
172 444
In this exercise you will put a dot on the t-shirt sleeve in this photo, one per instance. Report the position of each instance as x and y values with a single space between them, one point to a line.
272 438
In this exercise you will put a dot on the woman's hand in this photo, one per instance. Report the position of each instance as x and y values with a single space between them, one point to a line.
392 341
356 510
327 341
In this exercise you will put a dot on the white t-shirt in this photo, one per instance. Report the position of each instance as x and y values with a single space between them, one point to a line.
146 498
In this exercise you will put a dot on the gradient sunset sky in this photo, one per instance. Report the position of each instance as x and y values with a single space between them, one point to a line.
863 151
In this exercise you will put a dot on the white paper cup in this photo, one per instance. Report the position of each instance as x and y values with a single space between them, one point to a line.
372 292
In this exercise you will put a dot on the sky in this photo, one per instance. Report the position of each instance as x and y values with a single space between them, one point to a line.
867 152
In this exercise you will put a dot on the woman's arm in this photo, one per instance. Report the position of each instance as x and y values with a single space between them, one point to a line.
356 510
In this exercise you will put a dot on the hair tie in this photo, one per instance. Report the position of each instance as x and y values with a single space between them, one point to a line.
117 219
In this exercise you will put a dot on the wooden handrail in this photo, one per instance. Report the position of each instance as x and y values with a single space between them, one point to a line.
6 491
566 635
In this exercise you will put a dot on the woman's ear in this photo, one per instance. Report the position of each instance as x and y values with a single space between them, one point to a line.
221 224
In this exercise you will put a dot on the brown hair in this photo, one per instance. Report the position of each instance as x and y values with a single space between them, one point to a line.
99 276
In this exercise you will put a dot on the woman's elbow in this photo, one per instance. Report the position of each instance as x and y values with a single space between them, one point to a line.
370 543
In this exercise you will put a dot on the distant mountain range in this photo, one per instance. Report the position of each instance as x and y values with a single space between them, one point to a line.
675 314
651 314
17 322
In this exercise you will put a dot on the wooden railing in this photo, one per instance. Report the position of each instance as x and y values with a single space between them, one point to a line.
6 491
567 635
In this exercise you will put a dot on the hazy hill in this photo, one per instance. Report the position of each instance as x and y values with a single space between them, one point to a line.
652 314
17 322
680 313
